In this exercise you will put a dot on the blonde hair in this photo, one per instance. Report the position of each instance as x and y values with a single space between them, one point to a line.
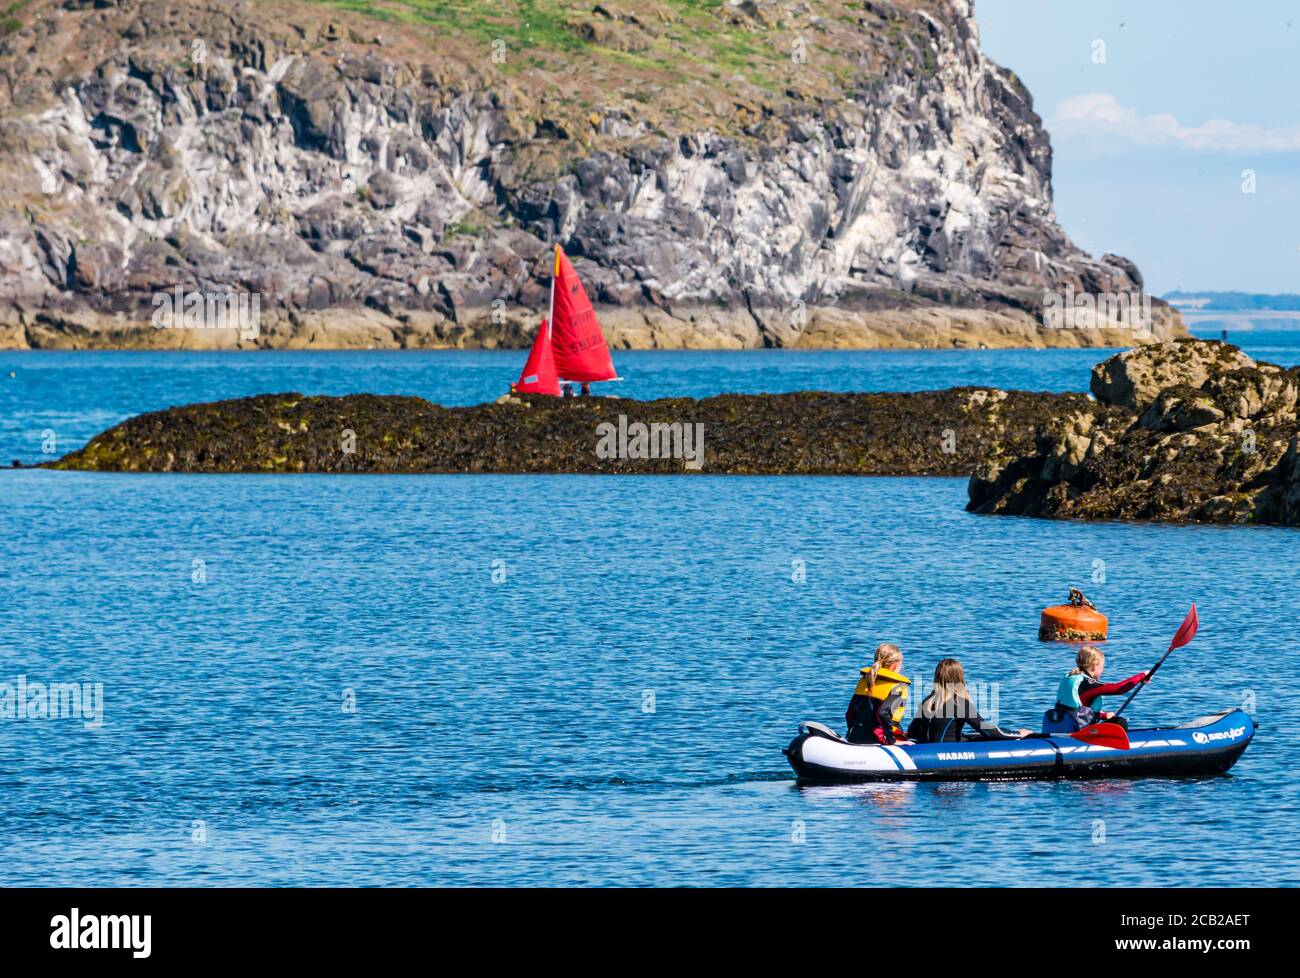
888 655
949 684
1088 657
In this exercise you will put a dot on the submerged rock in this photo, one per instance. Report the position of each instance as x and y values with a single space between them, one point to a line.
1191 430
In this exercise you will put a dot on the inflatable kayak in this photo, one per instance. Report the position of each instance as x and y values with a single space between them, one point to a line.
1208 745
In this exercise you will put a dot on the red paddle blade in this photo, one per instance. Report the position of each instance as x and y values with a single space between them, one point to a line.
1186 630
1104 735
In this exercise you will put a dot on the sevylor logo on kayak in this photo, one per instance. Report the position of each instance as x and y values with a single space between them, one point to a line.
1204 738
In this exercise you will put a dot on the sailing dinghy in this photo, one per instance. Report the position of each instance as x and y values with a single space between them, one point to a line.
570 345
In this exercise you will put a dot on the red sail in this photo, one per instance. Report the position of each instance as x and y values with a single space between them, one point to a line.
580 350
539 372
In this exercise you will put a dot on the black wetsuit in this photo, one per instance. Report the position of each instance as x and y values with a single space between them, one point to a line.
932 726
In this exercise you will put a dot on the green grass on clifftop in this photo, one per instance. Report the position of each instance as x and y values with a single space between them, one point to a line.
10 19
676 40
521 23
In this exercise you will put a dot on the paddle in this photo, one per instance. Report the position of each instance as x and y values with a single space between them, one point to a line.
1186 631
1104 734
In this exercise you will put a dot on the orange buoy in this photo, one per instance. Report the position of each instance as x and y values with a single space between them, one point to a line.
1078 621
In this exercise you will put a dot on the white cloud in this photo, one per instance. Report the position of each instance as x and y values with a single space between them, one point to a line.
1100 115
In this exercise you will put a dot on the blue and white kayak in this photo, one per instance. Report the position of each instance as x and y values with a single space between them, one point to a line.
1208 745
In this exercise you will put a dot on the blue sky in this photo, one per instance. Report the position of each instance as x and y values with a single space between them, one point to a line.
1150 144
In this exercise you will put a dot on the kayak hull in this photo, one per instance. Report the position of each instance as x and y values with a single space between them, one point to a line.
1206 746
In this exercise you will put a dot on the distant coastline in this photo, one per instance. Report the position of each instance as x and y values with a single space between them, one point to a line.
1276 317
1259 304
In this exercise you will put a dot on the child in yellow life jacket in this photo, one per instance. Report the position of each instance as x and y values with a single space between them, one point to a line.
875 713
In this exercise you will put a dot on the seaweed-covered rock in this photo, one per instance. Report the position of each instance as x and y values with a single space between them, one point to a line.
1133 379
1280 502
927 433
1188 431
1181 408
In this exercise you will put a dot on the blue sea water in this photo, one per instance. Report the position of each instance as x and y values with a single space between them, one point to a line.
612 708
332 680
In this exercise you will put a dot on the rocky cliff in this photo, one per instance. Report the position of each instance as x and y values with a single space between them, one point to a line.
1183 431
725 173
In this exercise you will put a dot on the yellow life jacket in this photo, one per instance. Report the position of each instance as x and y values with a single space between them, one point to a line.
887 681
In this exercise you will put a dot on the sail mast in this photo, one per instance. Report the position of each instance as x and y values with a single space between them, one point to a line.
555 273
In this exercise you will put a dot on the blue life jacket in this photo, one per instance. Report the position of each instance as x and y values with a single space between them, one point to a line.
1067 693
1069 714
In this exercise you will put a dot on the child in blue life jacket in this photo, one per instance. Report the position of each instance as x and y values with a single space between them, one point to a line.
1078 697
